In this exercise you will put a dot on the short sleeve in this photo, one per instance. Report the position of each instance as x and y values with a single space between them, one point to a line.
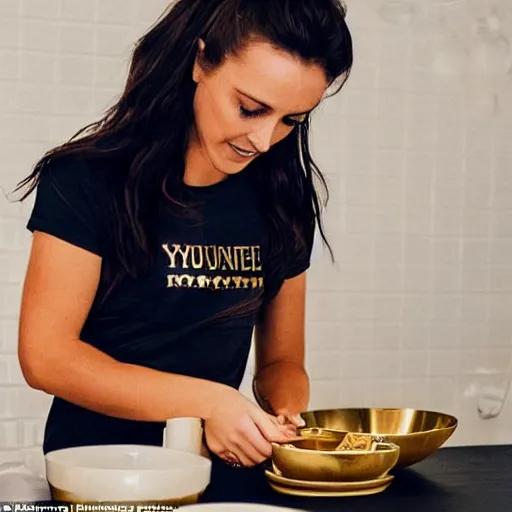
67 205
300 260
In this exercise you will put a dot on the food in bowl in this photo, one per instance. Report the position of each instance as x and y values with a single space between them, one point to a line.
353 441
126 473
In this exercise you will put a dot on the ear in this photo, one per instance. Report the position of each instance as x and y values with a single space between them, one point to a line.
197 72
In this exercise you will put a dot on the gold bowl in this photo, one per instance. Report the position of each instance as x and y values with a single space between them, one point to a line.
418 433
331 465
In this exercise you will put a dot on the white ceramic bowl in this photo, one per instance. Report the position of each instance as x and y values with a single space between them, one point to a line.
237 507
126 473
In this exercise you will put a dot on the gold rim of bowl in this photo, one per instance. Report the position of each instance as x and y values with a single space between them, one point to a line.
451 417
391 447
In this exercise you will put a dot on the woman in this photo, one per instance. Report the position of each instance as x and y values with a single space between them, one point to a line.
166 232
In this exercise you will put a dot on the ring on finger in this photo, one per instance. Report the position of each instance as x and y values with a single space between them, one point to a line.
232 460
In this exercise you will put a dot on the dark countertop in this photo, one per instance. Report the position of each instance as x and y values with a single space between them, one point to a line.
458 479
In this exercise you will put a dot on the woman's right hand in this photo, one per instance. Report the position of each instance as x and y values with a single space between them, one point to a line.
240 432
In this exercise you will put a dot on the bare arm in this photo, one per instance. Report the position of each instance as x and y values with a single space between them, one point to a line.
281 384
59 289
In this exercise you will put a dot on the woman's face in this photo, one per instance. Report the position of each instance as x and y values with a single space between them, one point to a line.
249 103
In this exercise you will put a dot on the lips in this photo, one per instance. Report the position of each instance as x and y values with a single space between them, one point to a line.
243 152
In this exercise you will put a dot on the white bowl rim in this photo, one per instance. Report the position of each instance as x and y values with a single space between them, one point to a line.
52 457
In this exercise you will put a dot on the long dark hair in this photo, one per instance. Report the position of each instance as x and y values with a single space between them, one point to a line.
148 127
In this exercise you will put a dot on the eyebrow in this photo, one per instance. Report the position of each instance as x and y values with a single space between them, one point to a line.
264 105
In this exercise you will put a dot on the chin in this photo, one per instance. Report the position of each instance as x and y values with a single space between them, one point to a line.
227 163
234 169
229 167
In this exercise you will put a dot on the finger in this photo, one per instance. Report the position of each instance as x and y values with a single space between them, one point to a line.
214 445
297 420
228 453
232 456
281 419
291 433
278 421
287 428
267 427
249 453
252 442
291 419
241 457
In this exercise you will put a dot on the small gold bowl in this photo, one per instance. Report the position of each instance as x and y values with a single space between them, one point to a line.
331 465
418 433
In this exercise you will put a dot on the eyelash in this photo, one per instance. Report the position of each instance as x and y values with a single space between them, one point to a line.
249 114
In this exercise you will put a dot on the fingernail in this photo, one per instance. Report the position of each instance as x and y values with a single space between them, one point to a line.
297 418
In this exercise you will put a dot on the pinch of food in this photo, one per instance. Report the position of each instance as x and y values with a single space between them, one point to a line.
354 441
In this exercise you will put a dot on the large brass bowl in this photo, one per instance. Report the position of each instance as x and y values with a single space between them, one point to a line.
418 433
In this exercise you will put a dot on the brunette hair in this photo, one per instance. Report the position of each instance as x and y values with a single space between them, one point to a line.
148 127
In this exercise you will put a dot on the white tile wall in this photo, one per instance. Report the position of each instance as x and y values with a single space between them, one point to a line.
416 310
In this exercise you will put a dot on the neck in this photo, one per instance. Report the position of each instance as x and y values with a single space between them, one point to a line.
199 169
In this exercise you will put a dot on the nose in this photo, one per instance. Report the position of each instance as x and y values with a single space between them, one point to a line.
261 139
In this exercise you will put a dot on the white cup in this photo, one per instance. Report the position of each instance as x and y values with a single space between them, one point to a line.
184 434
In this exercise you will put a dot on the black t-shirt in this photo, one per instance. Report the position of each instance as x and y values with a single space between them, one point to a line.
167 319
